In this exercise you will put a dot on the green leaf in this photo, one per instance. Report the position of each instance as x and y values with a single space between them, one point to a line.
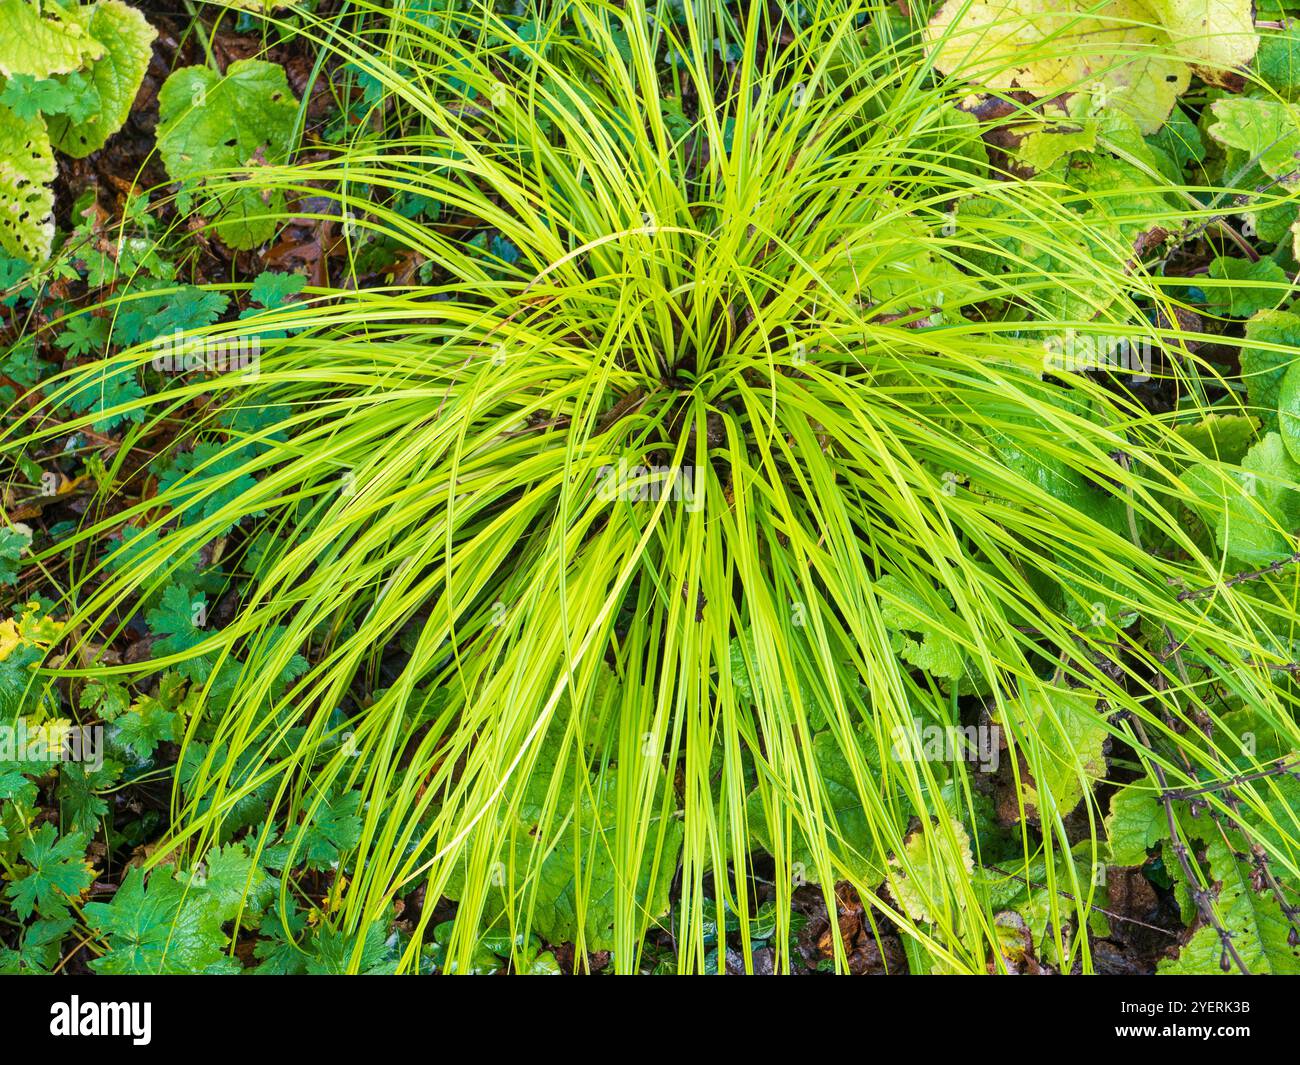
1255 921
13 543
209 124
1071 734
127 42
1262 370
29 97
79 805
84 334
920 629
38 949
56 870
1278 59
1256 522
273 289
583 851
1223 437
164 928
104 389
847 822
333 830
232 881
193 471
931 876
1136 822
1288 411
1265 130
41 44
334 950
148 723
26 199
1244 297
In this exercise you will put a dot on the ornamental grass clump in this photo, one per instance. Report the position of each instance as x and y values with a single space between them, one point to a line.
716 447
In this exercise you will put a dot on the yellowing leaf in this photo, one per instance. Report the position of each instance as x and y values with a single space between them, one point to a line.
26 199
1216 36
1119 54
39 46
933 870
127 40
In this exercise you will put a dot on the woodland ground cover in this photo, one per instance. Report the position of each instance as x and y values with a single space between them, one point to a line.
672 487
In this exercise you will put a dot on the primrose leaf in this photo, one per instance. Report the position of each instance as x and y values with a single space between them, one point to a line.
1245 297
1265 130
1257 521
1223 437
210 126
1136 823
1071 735
127 43
1278 59
1263 370
26 199
56 870
41 43
1255 921
930 876
920 629
1288 411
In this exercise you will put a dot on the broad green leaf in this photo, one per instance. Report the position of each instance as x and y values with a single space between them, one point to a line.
1288 410
212 127
1265 130
1255 921
1278 59
39 44
13 543
1256 522
850 839
1044 148
920 629
1071 735
1245 295
1263 370
127 40
1223 437
159 928
1136 822
26 199
586 853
